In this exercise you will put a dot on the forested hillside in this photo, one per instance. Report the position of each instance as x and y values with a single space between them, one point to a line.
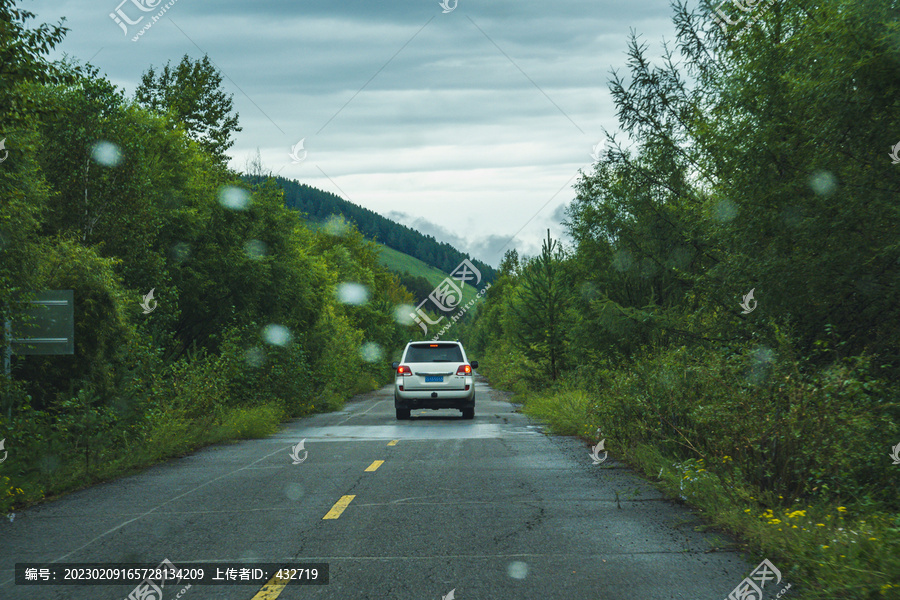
253 318
320 205
727 314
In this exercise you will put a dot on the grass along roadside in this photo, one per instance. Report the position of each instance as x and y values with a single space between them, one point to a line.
823 549
171 433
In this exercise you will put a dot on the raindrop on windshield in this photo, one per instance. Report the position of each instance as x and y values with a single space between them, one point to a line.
352 293
106 154
277 335
403 314
255 249
255 357
234 198
371 352
517 569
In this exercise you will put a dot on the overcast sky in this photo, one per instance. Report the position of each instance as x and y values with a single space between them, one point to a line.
469 125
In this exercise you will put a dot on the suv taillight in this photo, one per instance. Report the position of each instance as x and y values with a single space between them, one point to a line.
404 371
464 370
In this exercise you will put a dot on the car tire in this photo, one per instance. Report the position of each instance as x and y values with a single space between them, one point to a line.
468 413
403 414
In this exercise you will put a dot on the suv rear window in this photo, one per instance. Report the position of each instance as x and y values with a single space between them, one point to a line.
434 353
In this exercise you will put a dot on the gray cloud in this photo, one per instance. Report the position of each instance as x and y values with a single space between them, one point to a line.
405 109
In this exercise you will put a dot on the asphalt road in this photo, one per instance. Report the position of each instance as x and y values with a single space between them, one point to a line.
489 509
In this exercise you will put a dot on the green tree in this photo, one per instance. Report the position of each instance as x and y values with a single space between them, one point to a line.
23 189
417 285
191 94
489 325
23 54
801 113
725 188
542 305
245 260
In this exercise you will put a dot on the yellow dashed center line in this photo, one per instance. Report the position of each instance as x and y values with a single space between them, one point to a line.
276 585
272 589
339 507
374 466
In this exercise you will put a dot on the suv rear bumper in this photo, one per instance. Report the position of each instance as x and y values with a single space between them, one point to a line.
426 399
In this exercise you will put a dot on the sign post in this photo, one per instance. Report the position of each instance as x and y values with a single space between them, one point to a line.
52 316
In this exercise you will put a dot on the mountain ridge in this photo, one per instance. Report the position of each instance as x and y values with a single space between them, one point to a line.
318 205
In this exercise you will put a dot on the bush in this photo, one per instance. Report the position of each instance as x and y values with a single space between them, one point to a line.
252 423
258 374
508 368
800 435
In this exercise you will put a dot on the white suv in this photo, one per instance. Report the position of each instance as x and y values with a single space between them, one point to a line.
434 375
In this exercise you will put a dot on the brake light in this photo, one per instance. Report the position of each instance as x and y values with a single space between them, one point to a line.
464 370
404 371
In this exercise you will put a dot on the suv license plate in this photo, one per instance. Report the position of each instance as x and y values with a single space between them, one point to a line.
434 379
